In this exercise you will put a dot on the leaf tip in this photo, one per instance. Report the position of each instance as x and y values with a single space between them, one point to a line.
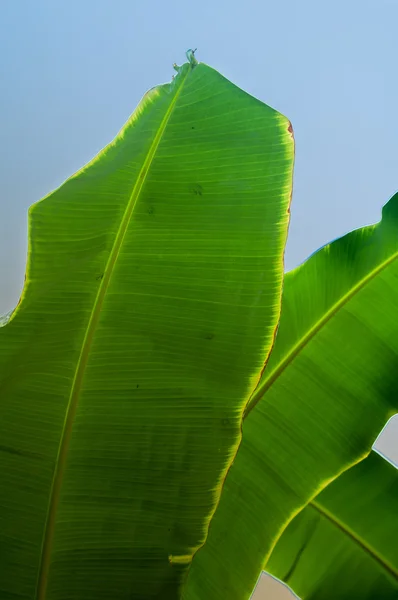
190 54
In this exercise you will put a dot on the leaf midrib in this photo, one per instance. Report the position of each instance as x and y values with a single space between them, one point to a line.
355 537
48 537
302 343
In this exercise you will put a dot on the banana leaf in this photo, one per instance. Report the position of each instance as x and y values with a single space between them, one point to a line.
330 385
344 543
150 304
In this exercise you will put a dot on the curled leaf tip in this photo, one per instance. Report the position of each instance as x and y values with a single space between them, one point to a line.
183 559
190 54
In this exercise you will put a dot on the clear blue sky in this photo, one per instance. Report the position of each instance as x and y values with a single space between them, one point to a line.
72 72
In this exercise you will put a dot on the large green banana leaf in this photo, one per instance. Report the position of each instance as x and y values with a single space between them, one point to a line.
344 544
151 300
329 387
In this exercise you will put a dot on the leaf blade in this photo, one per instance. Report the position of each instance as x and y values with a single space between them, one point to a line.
159 409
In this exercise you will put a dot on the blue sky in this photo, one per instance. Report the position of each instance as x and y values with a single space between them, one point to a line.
72 72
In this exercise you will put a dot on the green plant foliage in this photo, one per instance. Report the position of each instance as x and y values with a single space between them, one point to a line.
151 300
344 543
328 389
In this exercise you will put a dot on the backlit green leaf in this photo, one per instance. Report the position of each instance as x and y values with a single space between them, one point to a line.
150 304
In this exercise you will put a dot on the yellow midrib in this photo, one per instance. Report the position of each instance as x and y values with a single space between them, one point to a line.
59 470
356 538
301 344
